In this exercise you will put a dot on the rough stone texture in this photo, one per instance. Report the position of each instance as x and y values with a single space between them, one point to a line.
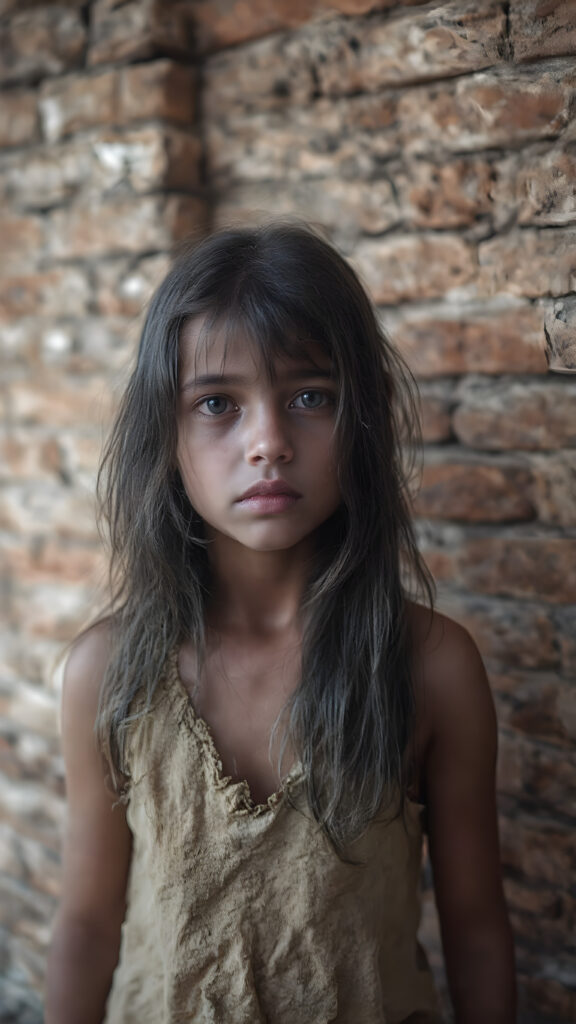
542 28
435 143
41 42
511 414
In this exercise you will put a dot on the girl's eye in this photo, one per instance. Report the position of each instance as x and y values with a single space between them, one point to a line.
312 399
216 405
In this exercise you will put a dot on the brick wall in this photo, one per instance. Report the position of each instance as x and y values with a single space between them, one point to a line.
437 145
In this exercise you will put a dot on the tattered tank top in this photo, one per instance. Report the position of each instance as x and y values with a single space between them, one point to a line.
243 914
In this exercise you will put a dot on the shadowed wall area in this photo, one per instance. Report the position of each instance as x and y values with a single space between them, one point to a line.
436 144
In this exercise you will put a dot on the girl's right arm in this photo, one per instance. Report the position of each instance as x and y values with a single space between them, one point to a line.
97 849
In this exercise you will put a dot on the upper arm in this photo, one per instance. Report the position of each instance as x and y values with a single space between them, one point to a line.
459 774
97 844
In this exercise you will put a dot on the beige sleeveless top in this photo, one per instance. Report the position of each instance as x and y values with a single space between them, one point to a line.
243 914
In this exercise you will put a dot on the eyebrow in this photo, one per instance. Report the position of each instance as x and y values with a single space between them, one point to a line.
232 379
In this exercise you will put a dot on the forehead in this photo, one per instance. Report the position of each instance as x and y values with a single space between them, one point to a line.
213 348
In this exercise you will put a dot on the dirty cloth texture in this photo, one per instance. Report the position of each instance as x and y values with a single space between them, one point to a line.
243 914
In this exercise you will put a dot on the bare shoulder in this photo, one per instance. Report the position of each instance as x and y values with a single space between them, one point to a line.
85 668
452 688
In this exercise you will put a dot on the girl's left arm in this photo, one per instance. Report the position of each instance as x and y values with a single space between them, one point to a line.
459 779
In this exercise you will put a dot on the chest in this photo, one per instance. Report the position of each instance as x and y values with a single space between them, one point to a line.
242 694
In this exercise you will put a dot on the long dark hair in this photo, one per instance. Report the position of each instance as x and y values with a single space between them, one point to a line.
352 715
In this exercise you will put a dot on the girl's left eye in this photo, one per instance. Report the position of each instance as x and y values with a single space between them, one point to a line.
312 399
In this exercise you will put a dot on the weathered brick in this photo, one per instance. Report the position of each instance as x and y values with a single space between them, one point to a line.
22 242
545 188
146 159
159 89
467 339
26 455
551 914
553 489
57 292
34 508
508 633
18 118
345 139
447 194
138 29
542 29
493 108
365 55
539 775
76 102
46 41
124 286
549 990
33 810
513 414
56 610
229 22
30 862
522 567
474 491
344 209
560 333
49 176
126 226
537 849
528 263
51 560
436 414
539 706
60 401
397 269
271 73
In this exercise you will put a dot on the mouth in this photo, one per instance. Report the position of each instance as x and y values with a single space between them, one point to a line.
269 497
269 489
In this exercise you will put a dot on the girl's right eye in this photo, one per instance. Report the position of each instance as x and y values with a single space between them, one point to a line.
215 405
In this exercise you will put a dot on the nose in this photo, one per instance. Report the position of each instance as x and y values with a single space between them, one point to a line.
267 437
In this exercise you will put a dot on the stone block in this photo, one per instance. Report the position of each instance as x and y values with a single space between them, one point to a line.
528 263
519 566
447 194
230 22
553 490
510 634
345 209
365 55
473 491
541 776
61 401
22 242
269 74
127 226
123 287
158 89
540 30
458 339
493 108
538 706
29 455
414 267
51 560
346 139
514 414
63 291
46 41
18 118
144 160
436 414
34 508
538 850
545 188
49 176
137 30
76 102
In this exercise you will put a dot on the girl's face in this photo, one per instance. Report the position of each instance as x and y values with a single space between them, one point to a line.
256 452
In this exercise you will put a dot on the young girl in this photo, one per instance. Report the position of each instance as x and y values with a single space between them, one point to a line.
274 714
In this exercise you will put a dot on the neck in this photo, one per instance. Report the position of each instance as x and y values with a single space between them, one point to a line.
256 591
